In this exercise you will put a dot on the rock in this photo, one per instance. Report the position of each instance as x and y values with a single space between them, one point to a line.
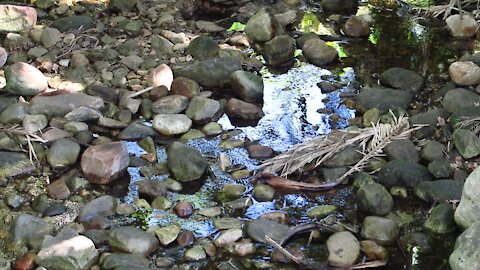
263 193
136 131
161 45
286 18
232 191
60 105
259 228
161 203
67 250
459 98
167 234
196 253
119 260
403 79
102 206
212 129
14 113
401 149
162 75
465 73
279 51
191 135
15 18
184 209
150 189
433 150
34 123
463 113
344 7
63 153
133 240
171 104
26 262
440 169
201 109
83 114
24 80
110 123
356 26
50 37
3 57
467 211
101 164
439 190
261 27
343 249
321 211
381 230
466 142
383 99
466 252
122 5
228 236
416 239
73 23
58 190
186 238
429 118
208 27
243 110
133 27
373 250
462 26
203 48
133 62
214 72
27 230
224 223
14 164
259 152
403 173
44 4
186 163
374 199
345 157
441 219
185 87
248 86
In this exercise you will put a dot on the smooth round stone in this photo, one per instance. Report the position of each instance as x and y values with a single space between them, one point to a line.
210 212
161 203
196 253
233 190
184 209
321 211
124 209
212 129
186 238
171 124
171 104
343 249
227 223
173 185
167 234
263 193
381 230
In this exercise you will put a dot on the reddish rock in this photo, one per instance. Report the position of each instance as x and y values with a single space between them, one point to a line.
101 164
185 87
184 209
15 18
162 75
27 262
243 110
356 26
58 190
259 151
186 238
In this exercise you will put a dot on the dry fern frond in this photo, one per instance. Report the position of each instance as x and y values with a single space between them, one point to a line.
28 136
370 142
470 123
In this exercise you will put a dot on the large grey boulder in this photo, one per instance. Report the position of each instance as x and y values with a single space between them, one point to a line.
401 78
467 211
383 99
101 206
24 79
466 253
27 230
133 240
262 26
60 105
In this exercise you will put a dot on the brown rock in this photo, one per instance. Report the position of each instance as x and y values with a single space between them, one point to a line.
243 110
58 190
27 262
162 75
101 164
151 189
356 26
373 250
184 209
186 238
259 151
185 87
158 92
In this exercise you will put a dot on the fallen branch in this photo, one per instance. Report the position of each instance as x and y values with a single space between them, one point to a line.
136 94
290 185
284 251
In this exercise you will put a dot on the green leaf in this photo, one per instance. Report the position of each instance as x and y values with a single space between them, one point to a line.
341 52
237 26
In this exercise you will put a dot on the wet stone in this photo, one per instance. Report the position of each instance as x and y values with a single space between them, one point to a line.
439 190
161 203
259 151
433 150
321 211
346 157
403 173
374 199
232 191
401 149
381 230
318 52
401 78
440 169
441 219
228 236
227 223
186 163
382 99
184 209
151 189
167 234
171 124
247 85
373 250
263 192
133 240
343 249
259 228
196 253
186 238
466 252
241 203
279 51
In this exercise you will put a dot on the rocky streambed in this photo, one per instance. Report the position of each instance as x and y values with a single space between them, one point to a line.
133 132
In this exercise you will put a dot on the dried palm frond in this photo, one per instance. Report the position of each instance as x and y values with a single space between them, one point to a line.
471 123
453 5
369 141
